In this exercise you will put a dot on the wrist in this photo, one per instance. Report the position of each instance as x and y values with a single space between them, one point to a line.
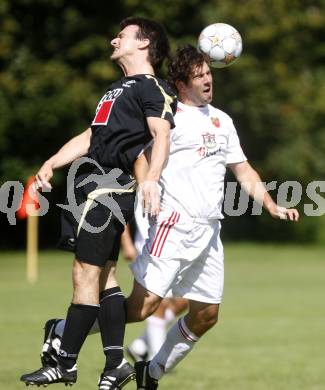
270 206
152 177
50 163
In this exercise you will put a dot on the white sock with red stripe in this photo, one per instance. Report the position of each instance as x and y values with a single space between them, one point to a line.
179 342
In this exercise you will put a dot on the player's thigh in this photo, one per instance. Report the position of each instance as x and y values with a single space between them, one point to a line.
141 303
84 273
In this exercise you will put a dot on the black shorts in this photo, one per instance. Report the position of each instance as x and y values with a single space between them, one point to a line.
95 236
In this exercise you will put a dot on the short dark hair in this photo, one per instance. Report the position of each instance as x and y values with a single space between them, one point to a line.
155 32
180 67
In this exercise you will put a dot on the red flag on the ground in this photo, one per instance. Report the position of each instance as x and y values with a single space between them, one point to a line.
30 197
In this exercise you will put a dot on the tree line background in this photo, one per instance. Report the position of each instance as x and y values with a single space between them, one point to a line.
54 66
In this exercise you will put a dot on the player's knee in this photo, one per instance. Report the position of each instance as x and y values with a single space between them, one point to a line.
209 317
210 322
202 319
205 324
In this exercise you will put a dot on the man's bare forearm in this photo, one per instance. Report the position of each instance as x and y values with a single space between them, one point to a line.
78 146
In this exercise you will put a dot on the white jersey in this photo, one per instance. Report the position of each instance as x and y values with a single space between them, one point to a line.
203 142
183 253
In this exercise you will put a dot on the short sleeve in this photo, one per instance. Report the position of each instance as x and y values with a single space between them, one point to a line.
158 100
235 153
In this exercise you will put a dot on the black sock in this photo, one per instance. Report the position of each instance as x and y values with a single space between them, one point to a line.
80 319
112 317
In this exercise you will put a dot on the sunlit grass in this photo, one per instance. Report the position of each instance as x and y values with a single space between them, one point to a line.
271 333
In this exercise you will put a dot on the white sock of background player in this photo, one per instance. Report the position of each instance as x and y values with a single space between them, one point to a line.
154 334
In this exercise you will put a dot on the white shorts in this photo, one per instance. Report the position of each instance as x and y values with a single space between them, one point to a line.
184 256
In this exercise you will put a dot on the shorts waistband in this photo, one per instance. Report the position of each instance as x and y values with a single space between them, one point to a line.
200 220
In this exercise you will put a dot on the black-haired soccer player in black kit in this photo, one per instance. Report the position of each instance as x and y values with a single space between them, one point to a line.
136 110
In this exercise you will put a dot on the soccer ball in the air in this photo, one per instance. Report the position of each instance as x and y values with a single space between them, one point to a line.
221 44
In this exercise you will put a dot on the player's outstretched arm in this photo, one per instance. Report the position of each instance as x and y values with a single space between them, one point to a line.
251 181
160 131
77 146
141 166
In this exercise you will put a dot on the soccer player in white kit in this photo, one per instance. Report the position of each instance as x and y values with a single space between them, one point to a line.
184 253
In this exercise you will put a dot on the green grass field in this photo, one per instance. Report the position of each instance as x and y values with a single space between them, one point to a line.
271 333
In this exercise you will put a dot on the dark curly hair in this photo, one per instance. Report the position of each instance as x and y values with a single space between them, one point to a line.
180 67
148 29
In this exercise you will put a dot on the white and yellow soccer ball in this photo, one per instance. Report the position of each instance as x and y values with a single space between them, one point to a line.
221 44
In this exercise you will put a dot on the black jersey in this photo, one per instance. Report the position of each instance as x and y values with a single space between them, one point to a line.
120 130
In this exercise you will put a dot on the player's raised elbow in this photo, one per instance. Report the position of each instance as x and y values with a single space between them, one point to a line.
87 137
